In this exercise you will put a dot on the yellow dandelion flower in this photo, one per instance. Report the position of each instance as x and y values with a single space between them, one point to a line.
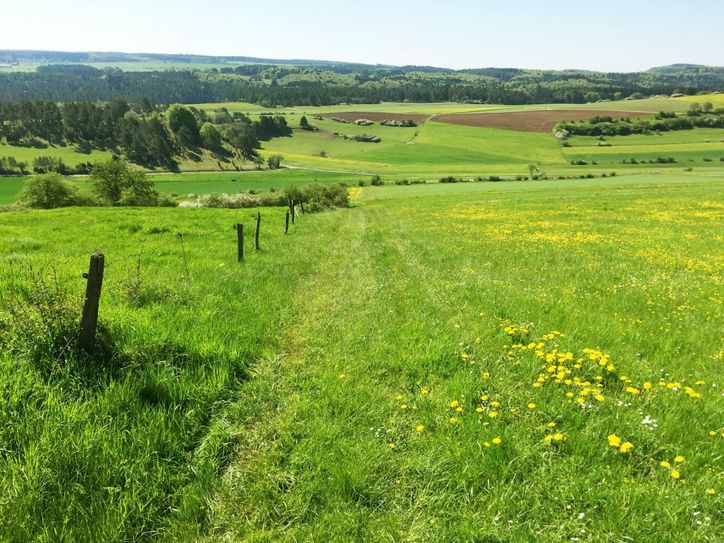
497 441
485 397
665 464
398 397
599 397
647 385
403 406
420 427
478 409
633 390
454 404
495 404
453 420
459 409
342 375
486 444
391 445
675 474
710 492
424 391
679 459
569 395
531 405
626 447
614 440
493 414
551 424
486 375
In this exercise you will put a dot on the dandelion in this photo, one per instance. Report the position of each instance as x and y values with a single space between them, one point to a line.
403 406
454 404
420 427
493 414
675 474
424 391
497 441
626 447
599 397
614 441
679 459
486 375
459 409
485 398
665 464
453 420
391 445
633 390
710 492
342 375
478 409
531 406
486 444
647 385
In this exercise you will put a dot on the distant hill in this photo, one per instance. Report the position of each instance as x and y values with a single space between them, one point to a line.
105 76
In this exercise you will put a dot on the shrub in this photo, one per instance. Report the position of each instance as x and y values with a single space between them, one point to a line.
50 191
377 181
322 197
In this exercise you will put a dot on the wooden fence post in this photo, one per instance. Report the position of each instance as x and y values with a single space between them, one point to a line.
291 209
89 320
239 242
286 224
256 232
301 206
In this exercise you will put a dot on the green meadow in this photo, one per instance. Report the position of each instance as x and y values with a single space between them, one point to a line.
512 361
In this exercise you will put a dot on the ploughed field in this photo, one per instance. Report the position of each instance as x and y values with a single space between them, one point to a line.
531 361
531 121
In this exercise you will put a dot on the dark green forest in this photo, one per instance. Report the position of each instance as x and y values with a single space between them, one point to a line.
327 84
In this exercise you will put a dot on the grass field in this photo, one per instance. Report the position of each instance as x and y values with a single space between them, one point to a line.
434 149
484 361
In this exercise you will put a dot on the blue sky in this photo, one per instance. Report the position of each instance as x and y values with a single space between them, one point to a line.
610 35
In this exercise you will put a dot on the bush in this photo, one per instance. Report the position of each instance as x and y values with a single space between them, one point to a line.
377 181
117 184
49 191
322 197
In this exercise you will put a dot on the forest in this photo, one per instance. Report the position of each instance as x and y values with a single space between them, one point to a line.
288 85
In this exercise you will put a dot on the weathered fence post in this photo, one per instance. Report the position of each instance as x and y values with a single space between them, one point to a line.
286 224
256 232
239 242
291 209
89 320
301 206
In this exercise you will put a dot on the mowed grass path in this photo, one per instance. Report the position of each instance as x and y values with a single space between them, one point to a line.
398 408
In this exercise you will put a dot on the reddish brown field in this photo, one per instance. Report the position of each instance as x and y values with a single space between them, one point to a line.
377 116
530 121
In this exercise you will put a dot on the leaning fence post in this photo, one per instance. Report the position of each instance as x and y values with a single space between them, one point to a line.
89 320
239 242
286 224
256 231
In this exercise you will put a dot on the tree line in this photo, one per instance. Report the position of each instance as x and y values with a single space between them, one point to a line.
698 116
300 85
147 135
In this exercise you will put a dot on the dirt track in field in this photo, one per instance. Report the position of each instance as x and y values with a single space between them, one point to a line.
530 121
377 116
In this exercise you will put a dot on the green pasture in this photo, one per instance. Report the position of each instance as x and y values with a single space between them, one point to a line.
436 363
69 155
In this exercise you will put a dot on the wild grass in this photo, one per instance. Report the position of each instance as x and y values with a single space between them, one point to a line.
313 392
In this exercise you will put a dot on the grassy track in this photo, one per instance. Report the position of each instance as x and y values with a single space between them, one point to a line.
337 453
